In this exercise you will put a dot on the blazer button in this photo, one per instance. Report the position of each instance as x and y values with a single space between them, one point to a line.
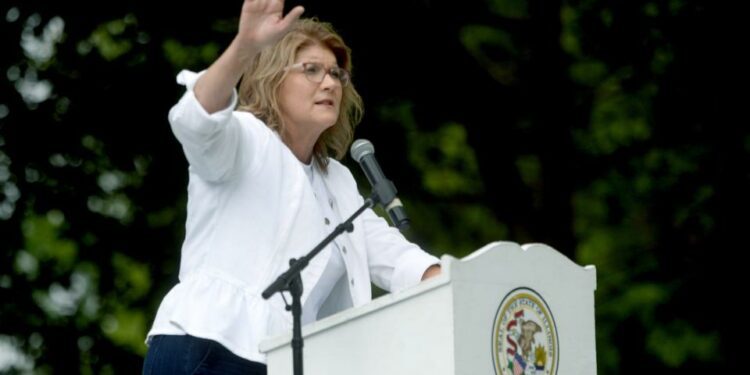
327 221
352 281
330 203
343 249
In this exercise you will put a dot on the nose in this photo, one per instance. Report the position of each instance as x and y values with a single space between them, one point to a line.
329 82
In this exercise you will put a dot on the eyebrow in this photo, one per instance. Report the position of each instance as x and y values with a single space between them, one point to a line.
315 60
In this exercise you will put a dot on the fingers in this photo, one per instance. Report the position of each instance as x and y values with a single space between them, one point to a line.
292 16
262 22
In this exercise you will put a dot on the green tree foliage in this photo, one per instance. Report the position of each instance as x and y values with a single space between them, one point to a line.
593 126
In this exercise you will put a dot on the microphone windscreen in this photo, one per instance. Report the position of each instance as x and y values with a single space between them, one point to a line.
360 148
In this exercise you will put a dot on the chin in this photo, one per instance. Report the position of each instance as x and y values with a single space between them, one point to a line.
329 123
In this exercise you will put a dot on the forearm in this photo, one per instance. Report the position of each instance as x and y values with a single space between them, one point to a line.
214 88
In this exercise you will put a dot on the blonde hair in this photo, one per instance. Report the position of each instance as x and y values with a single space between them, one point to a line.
260 84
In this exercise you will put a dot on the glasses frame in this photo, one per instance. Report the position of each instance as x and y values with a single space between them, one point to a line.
328 71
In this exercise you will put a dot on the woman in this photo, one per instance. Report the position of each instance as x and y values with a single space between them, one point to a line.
263 189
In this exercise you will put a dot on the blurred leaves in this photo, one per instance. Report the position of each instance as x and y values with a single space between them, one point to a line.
443 158
108 38
678 342
127 328
494 49
617 120
190 57
509 8
132 278
43 244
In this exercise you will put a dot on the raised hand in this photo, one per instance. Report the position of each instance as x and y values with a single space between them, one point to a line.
262 24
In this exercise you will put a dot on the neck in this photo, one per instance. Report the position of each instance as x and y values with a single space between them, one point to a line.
301 145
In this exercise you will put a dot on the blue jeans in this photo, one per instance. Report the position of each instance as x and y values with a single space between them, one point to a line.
184 354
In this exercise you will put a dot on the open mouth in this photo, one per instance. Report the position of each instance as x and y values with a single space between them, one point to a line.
325 102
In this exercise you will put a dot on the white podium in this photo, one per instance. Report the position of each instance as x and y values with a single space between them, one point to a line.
505 309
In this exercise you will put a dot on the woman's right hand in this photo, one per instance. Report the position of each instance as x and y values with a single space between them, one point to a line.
262 24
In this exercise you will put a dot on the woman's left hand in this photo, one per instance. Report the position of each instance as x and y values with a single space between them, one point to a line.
432 271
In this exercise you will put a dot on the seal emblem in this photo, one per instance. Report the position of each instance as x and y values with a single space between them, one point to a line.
524 336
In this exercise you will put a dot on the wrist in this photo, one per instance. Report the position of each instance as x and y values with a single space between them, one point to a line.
241 51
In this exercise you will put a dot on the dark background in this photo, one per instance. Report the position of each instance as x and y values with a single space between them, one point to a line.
601 128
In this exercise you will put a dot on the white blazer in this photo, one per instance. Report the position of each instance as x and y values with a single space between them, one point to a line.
250 209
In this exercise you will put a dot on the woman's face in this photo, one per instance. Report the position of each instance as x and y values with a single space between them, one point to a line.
309 108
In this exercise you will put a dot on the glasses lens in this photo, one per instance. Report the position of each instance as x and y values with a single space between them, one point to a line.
341 75
316 72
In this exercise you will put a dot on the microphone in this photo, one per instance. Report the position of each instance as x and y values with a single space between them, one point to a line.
383 190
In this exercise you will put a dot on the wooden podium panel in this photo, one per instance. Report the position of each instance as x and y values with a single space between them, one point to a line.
505 309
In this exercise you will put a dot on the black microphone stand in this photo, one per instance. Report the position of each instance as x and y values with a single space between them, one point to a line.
291 281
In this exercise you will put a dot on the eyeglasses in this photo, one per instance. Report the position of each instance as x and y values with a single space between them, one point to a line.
316 72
